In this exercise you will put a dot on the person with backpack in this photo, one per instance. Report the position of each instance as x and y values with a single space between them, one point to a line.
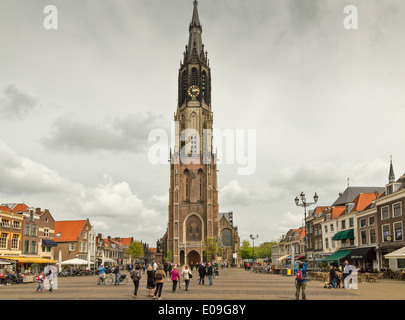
300 282
136 276
160 279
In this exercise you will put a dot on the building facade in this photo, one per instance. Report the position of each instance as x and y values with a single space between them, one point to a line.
11 228
72 238
391 219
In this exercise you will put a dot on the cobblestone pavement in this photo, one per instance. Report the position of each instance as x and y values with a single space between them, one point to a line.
233 284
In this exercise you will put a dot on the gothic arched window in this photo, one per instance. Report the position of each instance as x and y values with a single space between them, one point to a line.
204 85
184 84
227 237
194 77
187 185
201 184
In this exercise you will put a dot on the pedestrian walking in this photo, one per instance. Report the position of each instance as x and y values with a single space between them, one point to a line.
150 283
116 271
160 279
201 273
136 276
40 280
175 277
210 273
186 274
332 276
300 281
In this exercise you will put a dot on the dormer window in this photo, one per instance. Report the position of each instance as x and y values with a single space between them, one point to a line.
349 207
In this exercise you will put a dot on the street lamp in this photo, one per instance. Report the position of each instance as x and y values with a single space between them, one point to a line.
254 238
305 204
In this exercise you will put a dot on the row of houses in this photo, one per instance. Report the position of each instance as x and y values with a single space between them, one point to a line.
364 225
30 235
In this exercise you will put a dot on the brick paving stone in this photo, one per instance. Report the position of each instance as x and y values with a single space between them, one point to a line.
233 284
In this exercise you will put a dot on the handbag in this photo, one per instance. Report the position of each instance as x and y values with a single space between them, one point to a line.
190 275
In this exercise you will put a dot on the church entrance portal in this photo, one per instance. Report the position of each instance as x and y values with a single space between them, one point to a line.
193 258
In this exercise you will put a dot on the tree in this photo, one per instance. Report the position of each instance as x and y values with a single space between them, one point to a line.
245 251
210 246
169 256
135 250
264 250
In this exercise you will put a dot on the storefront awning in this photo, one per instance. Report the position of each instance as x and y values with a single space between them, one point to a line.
367 253
283 257
342 235
49 243
29 259
338 255
397 254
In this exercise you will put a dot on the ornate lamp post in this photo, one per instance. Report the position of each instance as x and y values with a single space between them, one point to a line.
305 204
254 238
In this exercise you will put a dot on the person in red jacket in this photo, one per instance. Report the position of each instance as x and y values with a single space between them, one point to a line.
175 278
40 279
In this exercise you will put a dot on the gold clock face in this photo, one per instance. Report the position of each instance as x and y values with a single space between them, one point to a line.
193 91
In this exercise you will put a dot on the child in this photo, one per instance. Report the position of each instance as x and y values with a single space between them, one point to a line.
40 279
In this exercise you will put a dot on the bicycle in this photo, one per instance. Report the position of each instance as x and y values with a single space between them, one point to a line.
123 279
108 280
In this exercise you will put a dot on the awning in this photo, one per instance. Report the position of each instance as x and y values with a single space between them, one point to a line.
49 243
29 259
283 257
338 255
342 235
300 257
397 254
367 253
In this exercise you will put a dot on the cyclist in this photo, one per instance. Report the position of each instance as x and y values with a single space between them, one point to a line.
101 273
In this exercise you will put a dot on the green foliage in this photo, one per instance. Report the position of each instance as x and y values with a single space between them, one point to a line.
210 247
169 256
245 250
264 250
135 249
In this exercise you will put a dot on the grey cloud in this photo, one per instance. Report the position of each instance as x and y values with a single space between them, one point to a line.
128 133
16 103
21 175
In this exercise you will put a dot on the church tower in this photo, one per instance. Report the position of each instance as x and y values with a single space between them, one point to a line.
193 193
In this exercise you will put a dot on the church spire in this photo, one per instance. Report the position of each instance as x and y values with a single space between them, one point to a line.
195 29
196 20
391 176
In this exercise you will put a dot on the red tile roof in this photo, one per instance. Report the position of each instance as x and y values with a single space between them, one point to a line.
20 207
5 208
337 211
363 200
69 230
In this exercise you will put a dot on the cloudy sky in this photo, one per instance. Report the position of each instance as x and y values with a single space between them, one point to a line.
77 105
